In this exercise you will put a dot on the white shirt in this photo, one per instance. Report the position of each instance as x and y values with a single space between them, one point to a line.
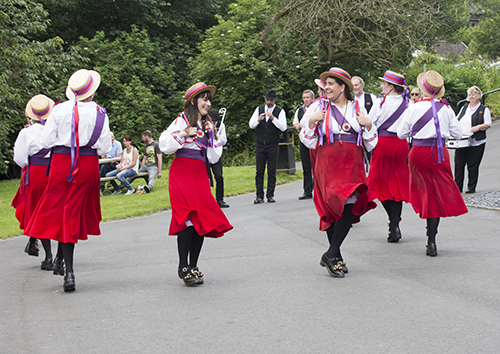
448 124
361 100
170 141
222 134
310 139
466 123
379 115
28 143
296 115
57 130
279 122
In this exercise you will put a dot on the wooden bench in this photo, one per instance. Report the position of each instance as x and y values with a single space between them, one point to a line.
130 179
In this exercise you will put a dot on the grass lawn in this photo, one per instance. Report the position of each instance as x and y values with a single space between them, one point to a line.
237 180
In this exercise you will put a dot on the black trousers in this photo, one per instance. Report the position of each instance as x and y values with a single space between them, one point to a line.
470 156
305 157
219 180
266 154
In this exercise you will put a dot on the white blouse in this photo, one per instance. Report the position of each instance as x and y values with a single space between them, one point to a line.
379 115
310 139
28 143
466 123
170 141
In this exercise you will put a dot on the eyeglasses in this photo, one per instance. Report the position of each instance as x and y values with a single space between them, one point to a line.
415 94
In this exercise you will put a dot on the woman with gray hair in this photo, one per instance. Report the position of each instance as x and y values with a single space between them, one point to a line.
474 120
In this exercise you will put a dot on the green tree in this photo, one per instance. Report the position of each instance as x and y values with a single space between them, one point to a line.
27 67
136 86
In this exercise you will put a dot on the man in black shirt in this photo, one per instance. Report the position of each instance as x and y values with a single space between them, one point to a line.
151 162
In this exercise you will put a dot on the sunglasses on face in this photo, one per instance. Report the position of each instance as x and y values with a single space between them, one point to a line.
414 94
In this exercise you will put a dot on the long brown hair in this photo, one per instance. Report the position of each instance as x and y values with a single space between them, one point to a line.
192 112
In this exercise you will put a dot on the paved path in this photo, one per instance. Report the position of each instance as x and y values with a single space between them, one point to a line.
265 291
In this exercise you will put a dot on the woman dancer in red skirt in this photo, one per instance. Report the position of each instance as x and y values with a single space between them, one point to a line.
195 213
30 155
336 127
70 208
389 177
429 122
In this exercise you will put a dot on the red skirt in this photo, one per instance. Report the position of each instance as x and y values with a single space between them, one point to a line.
68 212
389 177
191 198
19 197
433 191
32 194
338 172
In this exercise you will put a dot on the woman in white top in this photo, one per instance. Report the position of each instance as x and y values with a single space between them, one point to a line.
474 119
429 122
128 167
335 128
195 213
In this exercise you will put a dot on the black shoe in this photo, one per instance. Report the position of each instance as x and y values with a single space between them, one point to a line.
332 266
470 191
344 267
223 204
58 266
146 189
46 264
258 200
394 235
431 250
271 200
188 276
32 248
305 196
69 282
199 275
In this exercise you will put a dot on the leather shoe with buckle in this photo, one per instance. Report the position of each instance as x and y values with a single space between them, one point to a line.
394 235
199 275
258 200
305 196
69 282
271 200
332 266
32 248
58 266
222 204
46 264
189 278
431 250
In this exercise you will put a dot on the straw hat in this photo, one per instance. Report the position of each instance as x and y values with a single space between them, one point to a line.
319 83
394 78
195 90
431 84
39 107
83 84
339 74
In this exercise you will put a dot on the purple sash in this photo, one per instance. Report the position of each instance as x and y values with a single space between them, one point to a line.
426 118
37 160
382 130
202 143
346 138
340 121
424 142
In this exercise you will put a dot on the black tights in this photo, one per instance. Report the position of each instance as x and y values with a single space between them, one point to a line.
68 249
432 229
337 232
47 248
189 243
394 210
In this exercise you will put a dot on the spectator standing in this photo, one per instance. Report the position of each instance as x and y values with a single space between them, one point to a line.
116 151
152 160
217 167
270 121
365 99
308 185
474 120
415 95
